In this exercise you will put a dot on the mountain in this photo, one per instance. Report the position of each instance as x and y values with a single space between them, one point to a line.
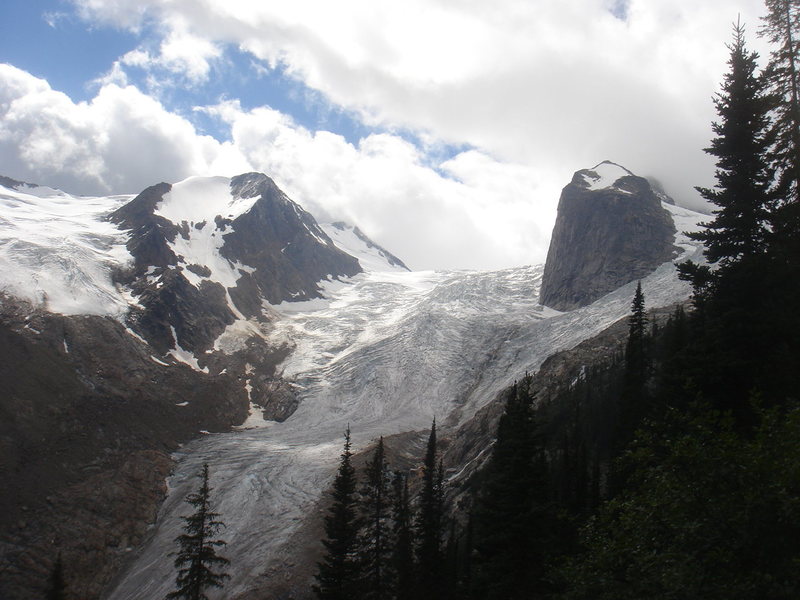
214 321
130 325
612 227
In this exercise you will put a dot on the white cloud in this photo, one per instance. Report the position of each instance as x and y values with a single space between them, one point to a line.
120 141
474 212
556 84
537 89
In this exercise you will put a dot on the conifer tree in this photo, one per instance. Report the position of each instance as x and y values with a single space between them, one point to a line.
781 27
403 551
338 574
739 229
199 565
429 523
636 352
376 539
511 516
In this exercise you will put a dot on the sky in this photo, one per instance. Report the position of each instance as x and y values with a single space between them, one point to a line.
444 129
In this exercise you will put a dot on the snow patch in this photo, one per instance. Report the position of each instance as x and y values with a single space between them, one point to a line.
236 336
199 199
255 418
184 356
605 175
160 362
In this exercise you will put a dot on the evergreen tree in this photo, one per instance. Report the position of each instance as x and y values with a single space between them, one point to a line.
403 551
56 588
732 345
376 539
338 575
429 523
782 28
512 519
636 359
197 560
740 226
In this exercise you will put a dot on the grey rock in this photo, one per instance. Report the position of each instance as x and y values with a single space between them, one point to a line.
603 239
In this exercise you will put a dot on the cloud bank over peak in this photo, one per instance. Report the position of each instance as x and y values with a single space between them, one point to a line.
464 119
123 140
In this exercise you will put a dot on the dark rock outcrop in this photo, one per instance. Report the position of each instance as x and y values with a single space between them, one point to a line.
609 231
283 243
87 421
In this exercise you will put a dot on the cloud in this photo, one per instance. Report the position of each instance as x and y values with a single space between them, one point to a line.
556 84
120 141
471 212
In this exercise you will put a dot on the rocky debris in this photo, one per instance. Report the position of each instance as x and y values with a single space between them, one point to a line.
611 229
86 413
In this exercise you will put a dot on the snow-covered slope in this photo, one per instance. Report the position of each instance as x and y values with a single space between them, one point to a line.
369 254
384 355
57 251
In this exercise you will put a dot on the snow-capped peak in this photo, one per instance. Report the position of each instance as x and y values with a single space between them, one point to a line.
604 175
199 199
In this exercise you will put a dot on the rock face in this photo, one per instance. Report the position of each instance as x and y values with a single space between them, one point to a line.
211 250
611 229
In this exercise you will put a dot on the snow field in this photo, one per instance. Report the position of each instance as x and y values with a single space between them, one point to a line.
58 252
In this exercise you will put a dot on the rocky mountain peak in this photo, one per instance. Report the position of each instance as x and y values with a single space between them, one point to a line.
210 250
610 229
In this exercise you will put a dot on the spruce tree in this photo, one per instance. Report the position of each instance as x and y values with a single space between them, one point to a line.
636 351
403 550
429 523
512 520
376 538
739 229
338 574
781 27
199 565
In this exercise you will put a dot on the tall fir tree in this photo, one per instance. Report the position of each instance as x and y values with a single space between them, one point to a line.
739 353
338 574
740 226
781 27
636 359
376 539
429 523
403 548
199 565
511 519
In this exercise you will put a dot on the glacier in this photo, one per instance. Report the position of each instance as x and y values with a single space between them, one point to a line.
384 353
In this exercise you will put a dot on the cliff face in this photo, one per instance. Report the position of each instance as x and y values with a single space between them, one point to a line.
611 229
